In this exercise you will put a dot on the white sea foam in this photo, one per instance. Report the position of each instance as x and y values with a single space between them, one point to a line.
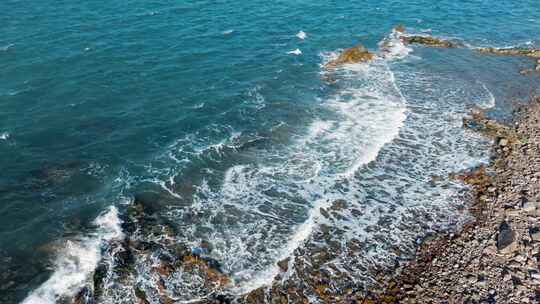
362 117
77 260
264 211
392 47
228 32
301 35
296 52
4 136
488 100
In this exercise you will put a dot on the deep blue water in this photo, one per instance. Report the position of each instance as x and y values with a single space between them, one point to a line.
200 103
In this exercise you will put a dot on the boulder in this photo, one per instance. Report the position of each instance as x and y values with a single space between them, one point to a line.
506 239
355 54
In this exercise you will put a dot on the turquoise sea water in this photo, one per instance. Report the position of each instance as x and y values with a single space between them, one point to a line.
201 106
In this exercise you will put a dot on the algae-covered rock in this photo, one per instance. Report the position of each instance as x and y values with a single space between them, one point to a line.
354 54
429 41
534 53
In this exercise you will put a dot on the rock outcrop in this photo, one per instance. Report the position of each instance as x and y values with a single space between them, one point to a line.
534 53
424 39
524 52
430 41
354 54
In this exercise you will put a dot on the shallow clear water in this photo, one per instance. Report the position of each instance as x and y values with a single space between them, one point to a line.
240 142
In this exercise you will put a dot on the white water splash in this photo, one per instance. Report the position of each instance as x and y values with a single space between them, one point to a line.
301 35
392 47
4 136
77 261
296 52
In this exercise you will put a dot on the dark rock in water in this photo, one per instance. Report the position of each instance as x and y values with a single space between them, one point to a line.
355 54
136 209
213 263
99 277
506 236
123 260
255 296
164 268
339 205
221 299
284 264
429 41
143 246
84 296
180 251
324 213
141 295
205 245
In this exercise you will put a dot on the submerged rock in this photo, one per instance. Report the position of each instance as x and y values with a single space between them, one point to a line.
429 41
524 52
534 53
355 54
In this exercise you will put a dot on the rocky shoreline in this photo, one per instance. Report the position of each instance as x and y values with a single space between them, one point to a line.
492 259
495 257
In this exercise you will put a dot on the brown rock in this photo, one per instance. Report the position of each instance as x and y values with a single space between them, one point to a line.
429 41
355 54
534 53
400 28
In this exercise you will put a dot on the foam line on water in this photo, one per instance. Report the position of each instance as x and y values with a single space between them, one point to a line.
490 102
77 260
370 113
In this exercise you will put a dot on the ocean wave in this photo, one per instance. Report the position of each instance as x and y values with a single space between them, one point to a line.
6 47
77 261
5 135
362 117
296 52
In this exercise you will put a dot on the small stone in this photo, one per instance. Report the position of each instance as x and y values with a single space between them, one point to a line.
506 239
503 142
284 264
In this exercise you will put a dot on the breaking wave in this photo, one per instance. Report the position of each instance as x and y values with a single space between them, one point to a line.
77 260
